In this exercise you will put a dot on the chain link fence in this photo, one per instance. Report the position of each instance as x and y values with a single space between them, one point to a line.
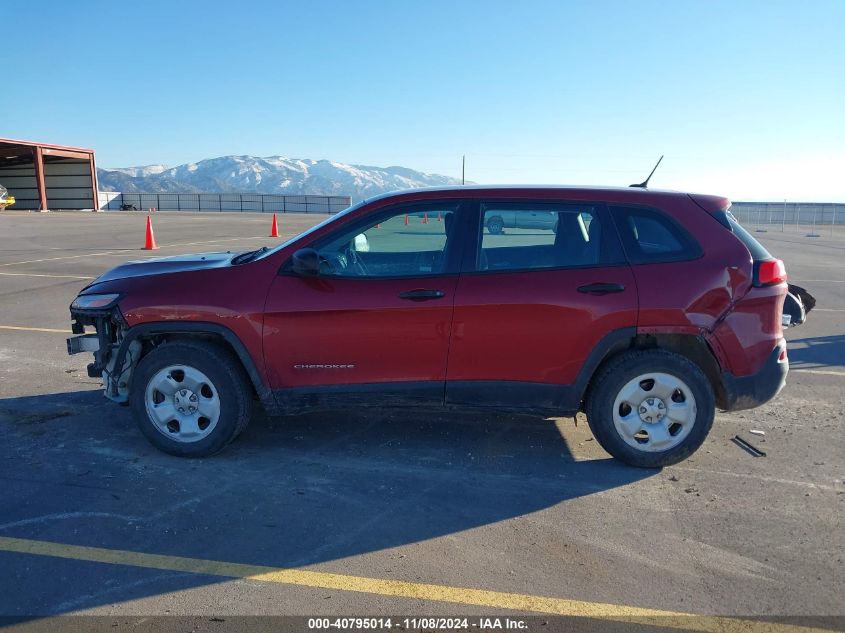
805 218
228 202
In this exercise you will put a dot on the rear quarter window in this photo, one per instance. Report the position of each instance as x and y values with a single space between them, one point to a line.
650 236
757 250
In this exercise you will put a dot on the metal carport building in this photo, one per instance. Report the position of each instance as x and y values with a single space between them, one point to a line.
42 176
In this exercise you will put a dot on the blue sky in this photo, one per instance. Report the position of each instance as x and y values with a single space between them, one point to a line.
746 99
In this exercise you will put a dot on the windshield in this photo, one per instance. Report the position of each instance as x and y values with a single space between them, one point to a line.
314 228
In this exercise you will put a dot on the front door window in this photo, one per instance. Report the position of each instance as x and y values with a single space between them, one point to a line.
409 242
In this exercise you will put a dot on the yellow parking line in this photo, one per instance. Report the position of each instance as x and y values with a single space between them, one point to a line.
392 588
33 329
45 275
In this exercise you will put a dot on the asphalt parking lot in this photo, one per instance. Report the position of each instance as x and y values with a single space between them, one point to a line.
354 513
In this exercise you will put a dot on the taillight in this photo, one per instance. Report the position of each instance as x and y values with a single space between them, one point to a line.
769 272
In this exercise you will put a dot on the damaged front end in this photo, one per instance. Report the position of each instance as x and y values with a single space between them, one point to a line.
102 313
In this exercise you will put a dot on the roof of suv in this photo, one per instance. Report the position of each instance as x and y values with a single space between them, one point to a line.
571 191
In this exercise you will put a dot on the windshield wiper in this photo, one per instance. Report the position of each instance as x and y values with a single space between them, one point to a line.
249 255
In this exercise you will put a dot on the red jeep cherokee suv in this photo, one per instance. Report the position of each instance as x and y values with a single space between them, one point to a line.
644 309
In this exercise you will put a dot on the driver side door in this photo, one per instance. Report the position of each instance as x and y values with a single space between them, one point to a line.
377 319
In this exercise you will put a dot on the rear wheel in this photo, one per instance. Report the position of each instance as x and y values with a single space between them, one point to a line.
651 408
190 398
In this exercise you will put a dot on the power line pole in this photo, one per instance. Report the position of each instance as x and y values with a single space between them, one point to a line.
464 169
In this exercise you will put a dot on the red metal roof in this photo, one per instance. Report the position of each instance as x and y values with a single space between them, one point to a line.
70 148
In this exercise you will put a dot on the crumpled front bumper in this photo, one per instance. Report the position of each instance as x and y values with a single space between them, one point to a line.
107 323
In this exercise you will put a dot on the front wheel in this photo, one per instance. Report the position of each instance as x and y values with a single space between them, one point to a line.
651 408
190 398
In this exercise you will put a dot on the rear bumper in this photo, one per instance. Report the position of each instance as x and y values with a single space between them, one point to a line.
747 392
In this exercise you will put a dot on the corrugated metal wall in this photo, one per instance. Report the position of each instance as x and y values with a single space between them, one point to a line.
69 184
20 181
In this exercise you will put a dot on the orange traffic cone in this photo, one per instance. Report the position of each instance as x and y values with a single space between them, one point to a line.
150 241
274 230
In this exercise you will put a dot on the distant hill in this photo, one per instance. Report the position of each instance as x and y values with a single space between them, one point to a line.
273 174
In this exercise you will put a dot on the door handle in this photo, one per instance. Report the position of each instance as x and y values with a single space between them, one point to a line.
421 294
600 288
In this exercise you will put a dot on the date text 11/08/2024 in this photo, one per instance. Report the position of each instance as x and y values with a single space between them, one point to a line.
493 623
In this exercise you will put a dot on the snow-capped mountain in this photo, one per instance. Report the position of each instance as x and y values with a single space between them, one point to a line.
273 174
138 172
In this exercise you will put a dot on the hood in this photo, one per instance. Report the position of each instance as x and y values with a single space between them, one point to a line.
163 265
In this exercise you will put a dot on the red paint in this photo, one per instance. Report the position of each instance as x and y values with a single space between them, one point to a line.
515 326
752 329
360 322
535 326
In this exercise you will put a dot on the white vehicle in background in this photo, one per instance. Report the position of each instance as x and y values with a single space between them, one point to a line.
507 219
5 199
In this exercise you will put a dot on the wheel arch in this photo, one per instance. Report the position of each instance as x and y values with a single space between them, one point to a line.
153 333
691 346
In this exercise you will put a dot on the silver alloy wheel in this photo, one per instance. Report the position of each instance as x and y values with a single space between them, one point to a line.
654 412
182 403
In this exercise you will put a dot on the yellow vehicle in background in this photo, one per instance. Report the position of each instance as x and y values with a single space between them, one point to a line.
5 199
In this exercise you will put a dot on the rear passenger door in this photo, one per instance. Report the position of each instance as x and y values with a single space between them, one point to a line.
532 305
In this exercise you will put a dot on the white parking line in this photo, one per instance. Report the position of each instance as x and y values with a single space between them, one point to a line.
45 275
127 251
52 259
228 239
821 372
819 281
788 482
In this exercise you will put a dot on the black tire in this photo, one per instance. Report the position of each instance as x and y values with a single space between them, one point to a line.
225 372
613 376
496 225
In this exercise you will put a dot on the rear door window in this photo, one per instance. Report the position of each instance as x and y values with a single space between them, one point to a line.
539 235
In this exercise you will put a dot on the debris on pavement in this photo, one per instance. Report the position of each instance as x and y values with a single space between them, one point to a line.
747 446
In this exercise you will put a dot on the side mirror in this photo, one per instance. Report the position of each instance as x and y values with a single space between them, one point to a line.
306 262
